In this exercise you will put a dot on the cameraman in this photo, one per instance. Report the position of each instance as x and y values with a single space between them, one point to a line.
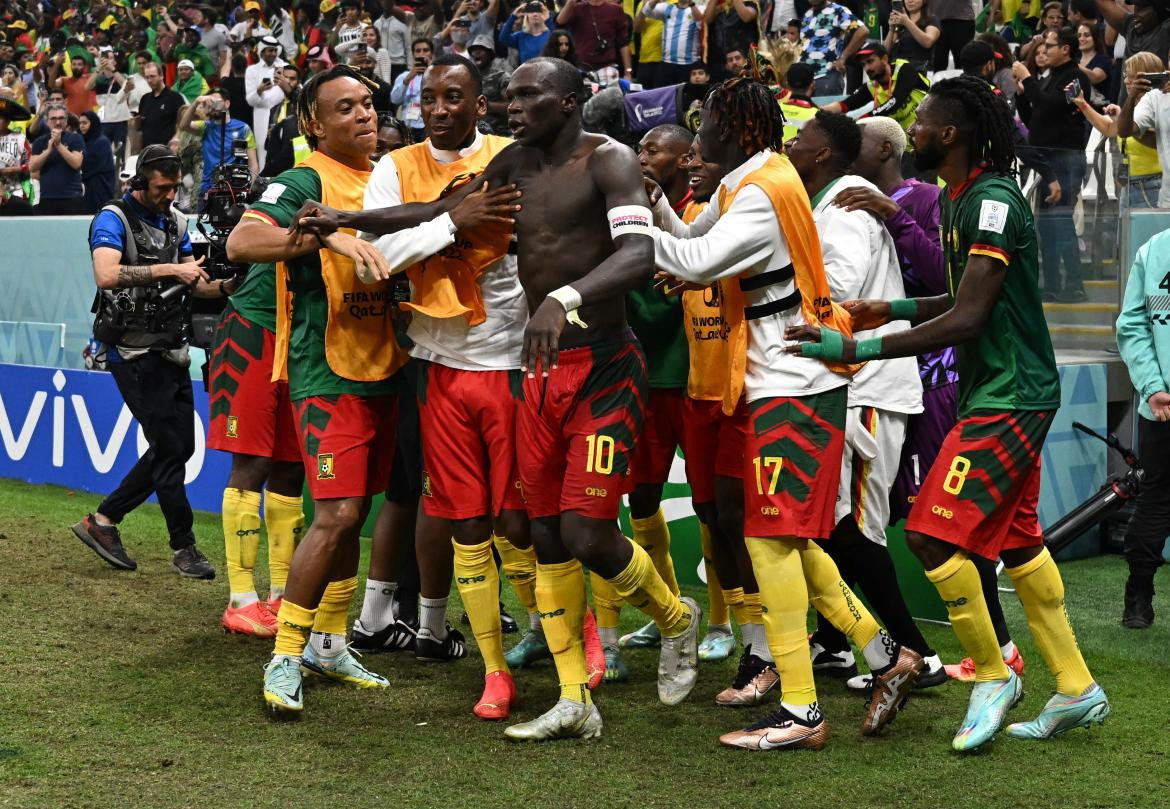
219 131
142 250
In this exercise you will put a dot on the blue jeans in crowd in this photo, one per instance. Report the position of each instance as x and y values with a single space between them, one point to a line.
1143 191
1055 228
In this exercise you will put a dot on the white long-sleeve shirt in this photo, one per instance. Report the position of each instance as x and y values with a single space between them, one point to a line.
494 344
862 263
746 240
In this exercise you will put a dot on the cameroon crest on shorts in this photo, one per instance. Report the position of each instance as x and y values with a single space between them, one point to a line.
325 466
427 491
233 425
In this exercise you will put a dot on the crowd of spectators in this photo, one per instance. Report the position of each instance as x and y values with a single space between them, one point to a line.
217 81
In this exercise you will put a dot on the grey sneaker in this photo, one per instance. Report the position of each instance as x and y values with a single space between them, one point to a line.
189 562
647 637
678 661
565 720
105 541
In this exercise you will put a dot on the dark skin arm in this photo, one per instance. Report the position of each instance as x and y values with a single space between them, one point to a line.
462 203
939 325
617 175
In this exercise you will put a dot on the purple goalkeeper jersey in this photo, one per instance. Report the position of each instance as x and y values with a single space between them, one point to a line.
916 238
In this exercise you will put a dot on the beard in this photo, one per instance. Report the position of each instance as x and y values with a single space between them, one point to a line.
929 157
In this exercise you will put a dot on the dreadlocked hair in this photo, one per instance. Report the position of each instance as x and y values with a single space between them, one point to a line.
307 98
747 115
982 116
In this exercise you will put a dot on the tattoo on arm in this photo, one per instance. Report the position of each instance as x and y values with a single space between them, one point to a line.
134 275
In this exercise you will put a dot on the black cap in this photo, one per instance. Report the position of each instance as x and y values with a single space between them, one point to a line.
13 110
871 48
800 75
975 55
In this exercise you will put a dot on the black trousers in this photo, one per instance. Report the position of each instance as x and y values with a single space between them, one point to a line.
72 206
158 393
953 35
1150 525
867 566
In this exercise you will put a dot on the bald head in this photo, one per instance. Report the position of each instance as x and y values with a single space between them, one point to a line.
559 73
678 137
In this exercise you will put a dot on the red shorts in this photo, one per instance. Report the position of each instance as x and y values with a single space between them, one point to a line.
577 428
347 443
250 414
714 445
662 434
468 425
981 492
792 464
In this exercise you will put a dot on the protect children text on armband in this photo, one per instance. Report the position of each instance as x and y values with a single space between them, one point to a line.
630 219
569 298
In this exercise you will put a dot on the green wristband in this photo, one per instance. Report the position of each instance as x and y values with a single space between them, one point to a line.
829 348
870 349
904 309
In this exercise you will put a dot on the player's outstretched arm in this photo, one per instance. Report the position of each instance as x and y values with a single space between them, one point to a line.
963 321
737 241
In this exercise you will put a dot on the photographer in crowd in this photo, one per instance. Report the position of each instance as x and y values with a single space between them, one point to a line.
145 271
1145 117
261 90
219 132
602 34
1057 126
113 90
407 91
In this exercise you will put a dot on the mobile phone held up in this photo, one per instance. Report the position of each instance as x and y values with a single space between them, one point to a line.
1071 90
1157 81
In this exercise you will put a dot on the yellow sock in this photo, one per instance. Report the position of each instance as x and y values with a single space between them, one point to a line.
957 581
776 563
716 607
734 599
560 597
520 569
607 604
479 588
285 520
241 537
641 586
293 625
1041 593
753 609
832 597
653 534
333 611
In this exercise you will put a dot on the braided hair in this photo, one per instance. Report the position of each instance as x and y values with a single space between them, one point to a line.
747 114
971 105
307 97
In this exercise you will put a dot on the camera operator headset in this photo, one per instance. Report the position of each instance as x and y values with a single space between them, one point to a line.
145 271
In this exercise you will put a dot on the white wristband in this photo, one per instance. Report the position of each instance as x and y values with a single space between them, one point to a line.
569 298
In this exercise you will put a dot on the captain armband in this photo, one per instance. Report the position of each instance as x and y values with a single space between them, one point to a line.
626 219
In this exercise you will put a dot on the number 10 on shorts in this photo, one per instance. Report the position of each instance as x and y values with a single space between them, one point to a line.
599 455
767 471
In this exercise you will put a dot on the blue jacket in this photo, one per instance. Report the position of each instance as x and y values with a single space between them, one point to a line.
1143 327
